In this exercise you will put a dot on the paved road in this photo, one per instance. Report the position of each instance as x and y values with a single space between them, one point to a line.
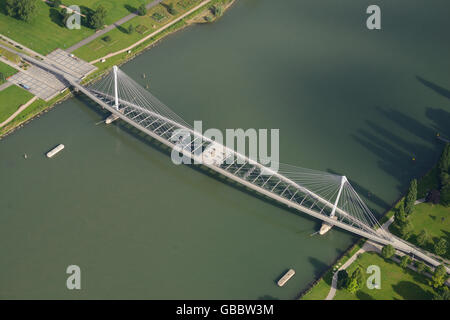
110 27
5 85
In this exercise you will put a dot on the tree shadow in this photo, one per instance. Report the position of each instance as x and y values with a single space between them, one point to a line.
363 296
122 29
441 119
131 9
433 86
411 291
56 17
318 265
400 158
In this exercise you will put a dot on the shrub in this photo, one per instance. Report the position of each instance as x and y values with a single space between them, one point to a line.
440 247
423 238
388 251
342 278
142 10
405 261
420 265
356 281
439 276
56 3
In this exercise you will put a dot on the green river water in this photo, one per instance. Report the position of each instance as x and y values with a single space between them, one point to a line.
347 100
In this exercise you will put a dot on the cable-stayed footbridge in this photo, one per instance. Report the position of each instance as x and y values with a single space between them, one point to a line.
322 195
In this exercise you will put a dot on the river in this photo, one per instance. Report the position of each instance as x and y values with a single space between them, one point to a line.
346 100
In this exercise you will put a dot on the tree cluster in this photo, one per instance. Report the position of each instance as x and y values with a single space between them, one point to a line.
97 19
444 176
21 9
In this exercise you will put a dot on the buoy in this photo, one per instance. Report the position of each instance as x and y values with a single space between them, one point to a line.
25 156
413 159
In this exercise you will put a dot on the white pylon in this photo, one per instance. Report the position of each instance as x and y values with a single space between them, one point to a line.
116 94
333 212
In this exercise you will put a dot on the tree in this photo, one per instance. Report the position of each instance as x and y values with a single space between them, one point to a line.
97 19
356 280
388 251
445 195
142 10
444 163
442 293
406 229
216 10
420 265
439 276
342 278
171 9
130 29
411 197
21 9
405 261
400 216
440 247
444 175
434 196
56 3
423 238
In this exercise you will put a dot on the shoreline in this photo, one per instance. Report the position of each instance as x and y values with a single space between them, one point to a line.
359 242
140 48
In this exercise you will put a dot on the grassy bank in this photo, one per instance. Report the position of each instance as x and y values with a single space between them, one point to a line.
120 38
29 113
434 219
319 290
44 33
428 217
11 99
39 106
396 283
6 70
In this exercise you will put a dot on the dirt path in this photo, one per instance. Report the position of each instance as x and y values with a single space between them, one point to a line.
21 108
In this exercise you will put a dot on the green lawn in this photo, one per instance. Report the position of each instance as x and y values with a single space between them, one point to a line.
11 99
434 219
322 287
116 9
45 32
121 39
396 283
6 70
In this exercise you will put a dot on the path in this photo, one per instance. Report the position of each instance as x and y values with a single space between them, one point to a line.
367 247
152 34
5 85
110 27
23 107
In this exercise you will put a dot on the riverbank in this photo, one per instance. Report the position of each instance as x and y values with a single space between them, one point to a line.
38 107
323 286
